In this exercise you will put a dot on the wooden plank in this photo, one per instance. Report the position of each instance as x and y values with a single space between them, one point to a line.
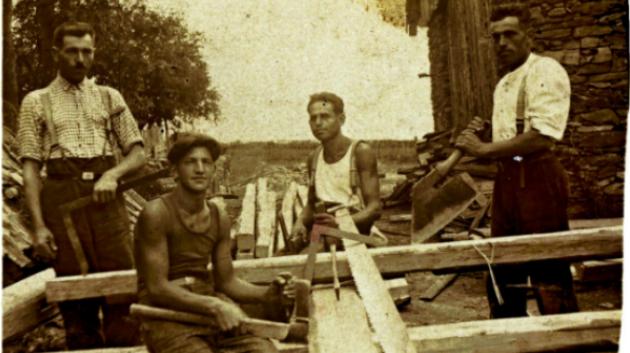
265 219
287 211
573 224
24 305
336 324
301 200
571 245
602 270
440 282
389 327
247 220
528 334
282 347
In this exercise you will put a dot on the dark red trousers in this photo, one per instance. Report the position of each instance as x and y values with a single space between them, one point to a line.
103 230
531 196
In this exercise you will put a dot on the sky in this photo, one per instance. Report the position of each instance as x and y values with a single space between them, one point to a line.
266 57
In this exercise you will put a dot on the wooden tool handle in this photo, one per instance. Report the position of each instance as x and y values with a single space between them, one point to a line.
444 167
86 200
256 327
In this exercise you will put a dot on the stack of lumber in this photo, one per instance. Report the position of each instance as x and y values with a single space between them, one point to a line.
134 203
262 226
16 236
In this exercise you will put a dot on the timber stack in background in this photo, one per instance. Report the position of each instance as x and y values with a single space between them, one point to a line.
589 39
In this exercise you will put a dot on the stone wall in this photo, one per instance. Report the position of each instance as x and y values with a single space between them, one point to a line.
589 38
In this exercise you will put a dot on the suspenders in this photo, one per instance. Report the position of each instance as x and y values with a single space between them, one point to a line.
52 132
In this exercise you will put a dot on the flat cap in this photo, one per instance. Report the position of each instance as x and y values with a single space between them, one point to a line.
183 142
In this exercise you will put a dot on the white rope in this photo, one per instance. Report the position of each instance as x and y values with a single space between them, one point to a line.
489 261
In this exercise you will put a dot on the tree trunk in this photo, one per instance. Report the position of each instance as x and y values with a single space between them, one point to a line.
9 83
45 16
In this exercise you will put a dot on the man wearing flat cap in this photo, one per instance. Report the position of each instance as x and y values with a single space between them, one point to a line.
177 235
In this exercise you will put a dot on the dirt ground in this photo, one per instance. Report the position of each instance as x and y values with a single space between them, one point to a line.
463 300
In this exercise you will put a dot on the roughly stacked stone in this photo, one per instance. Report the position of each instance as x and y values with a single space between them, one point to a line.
589 39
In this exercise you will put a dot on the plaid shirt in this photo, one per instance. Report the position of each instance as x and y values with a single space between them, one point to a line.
79 117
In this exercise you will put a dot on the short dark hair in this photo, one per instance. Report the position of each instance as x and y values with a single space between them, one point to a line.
327 97
518 10
183 142
72 28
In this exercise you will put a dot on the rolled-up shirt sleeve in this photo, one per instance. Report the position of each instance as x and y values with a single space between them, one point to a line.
124 124
548 98
30 128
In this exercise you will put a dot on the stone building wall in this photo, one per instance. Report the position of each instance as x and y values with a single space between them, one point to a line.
589 38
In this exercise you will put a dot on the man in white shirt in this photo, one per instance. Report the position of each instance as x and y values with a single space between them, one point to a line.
531 108
342 171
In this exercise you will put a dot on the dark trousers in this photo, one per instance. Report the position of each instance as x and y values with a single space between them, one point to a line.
531 197
163 336
104 233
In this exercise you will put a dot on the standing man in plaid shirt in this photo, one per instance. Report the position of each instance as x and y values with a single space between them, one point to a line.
71 127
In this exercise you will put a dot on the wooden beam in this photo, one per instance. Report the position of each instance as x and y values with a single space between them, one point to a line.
528 334
602 270
245 231
282 347
386 321
571 245
24 305
440 282
336 324
265 219
573 224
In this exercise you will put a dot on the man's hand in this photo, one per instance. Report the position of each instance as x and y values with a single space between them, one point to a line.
476 125
470 143
228 315
105 188
299 236
327 220
44 247
281 290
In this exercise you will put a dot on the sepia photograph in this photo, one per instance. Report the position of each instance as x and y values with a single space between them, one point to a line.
313 176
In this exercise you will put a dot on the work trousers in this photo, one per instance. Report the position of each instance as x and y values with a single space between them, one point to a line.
162 336
531 196
104 233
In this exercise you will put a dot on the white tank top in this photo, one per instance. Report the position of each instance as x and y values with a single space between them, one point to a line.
332 180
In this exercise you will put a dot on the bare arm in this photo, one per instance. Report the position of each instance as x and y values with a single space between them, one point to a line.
32 189
521 145
224 277
105 187
368 176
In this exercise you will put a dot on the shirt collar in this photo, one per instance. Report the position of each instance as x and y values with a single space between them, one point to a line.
67 86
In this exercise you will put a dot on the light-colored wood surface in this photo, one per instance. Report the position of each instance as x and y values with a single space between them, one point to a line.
246 221
339 326
24 304
265 219
385 319
575 245
287 211
280 346
528 334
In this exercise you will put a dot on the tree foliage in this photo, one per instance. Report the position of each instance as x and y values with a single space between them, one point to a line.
151 58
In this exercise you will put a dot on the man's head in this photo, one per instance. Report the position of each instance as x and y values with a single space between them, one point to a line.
326 114
508 26
73 50
192 156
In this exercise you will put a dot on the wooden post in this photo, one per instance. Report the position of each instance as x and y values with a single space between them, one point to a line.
245 231
265 219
